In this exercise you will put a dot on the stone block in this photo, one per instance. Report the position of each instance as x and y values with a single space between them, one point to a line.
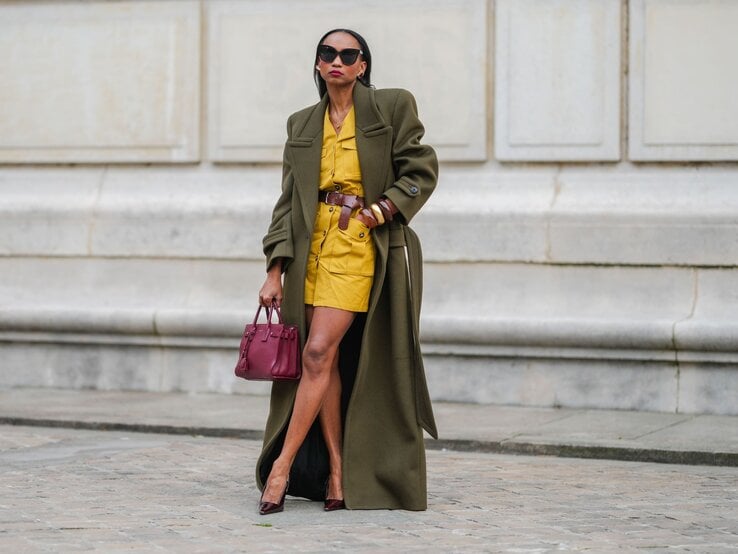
47 211
550 382
99 82
682 80
712 325
593 306
123 367
172 297
167 212
581 215
557 80
708 388
80 366
475 216
668 216
248 103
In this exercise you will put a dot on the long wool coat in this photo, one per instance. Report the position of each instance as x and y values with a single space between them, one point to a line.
385 400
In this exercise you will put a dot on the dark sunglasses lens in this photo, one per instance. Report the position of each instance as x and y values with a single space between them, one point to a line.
349 55
328 53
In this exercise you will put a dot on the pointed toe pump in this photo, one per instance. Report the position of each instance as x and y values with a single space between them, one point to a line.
332 504
266 508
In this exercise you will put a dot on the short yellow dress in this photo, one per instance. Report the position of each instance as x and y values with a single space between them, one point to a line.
340 268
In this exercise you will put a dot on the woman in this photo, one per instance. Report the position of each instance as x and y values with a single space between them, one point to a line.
354 175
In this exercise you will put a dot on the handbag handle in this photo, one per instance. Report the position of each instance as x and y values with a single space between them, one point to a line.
275 308
269 311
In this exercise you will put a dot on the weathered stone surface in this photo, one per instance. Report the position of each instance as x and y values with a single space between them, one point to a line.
557 74
581 276
529 381
100 82
680 83
488 214
126 491
249 100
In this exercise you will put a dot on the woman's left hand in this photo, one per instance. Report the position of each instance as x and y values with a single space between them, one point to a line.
367 218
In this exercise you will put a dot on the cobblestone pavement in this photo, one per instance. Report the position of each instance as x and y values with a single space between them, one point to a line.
65 490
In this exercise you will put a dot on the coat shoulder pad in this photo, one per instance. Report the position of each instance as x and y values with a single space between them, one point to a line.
395 101
389 96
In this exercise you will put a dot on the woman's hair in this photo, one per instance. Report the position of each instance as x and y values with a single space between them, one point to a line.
366 56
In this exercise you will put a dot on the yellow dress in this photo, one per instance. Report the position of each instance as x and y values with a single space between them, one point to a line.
340 267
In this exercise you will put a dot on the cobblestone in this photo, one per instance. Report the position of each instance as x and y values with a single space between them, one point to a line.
65 490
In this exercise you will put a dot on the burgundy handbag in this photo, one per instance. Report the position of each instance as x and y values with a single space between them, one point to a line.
269 351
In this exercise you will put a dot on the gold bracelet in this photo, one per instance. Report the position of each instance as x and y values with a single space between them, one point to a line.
378 215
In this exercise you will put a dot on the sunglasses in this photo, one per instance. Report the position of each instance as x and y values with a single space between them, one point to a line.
348 55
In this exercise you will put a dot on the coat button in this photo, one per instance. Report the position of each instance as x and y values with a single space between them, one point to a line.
414 189
337 187
361 235
330 209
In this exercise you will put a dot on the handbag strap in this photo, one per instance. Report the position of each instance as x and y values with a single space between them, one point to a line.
256 317
275 308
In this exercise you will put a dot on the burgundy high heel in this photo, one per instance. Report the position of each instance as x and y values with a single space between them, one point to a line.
270 507
332 504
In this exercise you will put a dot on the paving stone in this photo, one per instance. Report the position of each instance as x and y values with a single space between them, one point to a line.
139 492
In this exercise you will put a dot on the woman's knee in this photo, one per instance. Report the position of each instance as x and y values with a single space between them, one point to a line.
318 357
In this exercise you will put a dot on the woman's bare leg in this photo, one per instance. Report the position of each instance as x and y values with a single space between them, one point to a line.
327 326
330 423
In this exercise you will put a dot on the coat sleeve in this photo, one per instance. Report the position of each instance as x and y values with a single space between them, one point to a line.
277 243
415 164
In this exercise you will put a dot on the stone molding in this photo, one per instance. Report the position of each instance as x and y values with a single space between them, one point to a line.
469 309
630 216
554 335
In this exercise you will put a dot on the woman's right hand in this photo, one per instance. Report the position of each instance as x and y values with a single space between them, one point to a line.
271 290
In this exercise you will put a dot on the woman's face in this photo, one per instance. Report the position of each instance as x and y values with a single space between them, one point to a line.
336 72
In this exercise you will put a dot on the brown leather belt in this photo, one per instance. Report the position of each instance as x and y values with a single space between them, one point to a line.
348 203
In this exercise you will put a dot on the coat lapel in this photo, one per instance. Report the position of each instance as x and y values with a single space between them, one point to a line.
373 141
304 153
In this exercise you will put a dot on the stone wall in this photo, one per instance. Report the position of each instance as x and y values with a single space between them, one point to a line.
581 249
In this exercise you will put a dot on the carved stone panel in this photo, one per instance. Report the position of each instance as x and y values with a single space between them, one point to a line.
557 80
261 56
99 82
683 80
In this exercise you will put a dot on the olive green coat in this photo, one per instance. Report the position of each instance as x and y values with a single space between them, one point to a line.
388 406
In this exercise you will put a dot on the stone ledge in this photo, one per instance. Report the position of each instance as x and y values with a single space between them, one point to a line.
715 342
487 213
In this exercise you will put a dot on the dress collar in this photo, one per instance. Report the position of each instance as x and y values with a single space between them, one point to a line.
348 131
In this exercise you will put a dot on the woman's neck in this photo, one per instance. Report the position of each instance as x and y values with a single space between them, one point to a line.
341 98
